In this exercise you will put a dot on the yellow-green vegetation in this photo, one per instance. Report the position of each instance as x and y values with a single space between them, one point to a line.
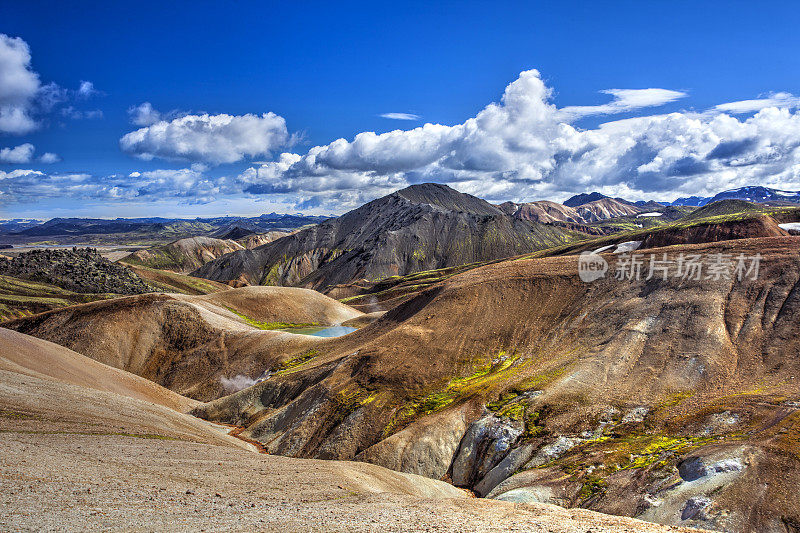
167 281
673 400
272 276
541 379
349 400
393 286
513 405
592 486
500 367
162 258
20 297
15 415
272 325
293 364
645 450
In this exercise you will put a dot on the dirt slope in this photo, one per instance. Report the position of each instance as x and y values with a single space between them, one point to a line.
190 343
76 458
30 356
675 400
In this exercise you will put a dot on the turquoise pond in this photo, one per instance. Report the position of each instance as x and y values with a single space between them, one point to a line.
323 331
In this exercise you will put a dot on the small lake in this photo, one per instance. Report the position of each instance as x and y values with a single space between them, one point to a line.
322 331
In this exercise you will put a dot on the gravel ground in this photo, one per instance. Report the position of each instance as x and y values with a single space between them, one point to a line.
68 482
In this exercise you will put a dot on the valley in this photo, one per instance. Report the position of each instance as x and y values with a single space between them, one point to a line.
499 372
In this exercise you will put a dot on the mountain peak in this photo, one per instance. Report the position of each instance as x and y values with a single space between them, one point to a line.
439 195
583 198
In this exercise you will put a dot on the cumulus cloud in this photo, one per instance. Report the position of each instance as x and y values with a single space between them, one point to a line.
524 147
19 86
185 185
18 155
49 157
401 116
86 89
213 139
24 99
144 114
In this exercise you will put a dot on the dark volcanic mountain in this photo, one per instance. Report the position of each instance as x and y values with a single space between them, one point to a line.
584 198
422 227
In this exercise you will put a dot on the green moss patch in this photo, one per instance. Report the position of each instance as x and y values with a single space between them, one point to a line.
293 364
272 325
501 367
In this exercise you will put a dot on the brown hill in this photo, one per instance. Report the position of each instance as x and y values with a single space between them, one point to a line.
606 208
190 344
546 212
184 255
675 400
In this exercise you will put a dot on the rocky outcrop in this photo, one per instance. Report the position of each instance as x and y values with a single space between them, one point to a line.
487 441
81 270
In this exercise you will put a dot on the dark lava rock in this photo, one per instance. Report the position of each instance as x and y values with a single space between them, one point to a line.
81 270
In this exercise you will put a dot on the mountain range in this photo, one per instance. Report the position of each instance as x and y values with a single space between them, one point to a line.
756 194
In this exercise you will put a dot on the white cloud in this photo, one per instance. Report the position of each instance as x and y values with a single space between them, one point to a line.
49 157
208 138
18 155
86 89
401 116
77 114
19 173
144 114
186 185
625 100
18 86
525 148
786 100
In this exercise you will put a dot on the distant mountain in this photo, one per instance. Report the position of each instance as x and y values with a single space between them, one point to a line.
234 232
692 201
754 193
152 227
584 198
17 224
758 194
546 212
422 227
543 211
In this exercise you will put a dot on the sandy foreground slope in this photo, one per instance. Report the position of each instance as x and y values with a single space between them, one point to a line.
88 447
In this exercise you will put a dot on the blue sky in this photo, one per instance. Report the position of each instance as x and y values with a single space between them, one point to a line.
328 71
